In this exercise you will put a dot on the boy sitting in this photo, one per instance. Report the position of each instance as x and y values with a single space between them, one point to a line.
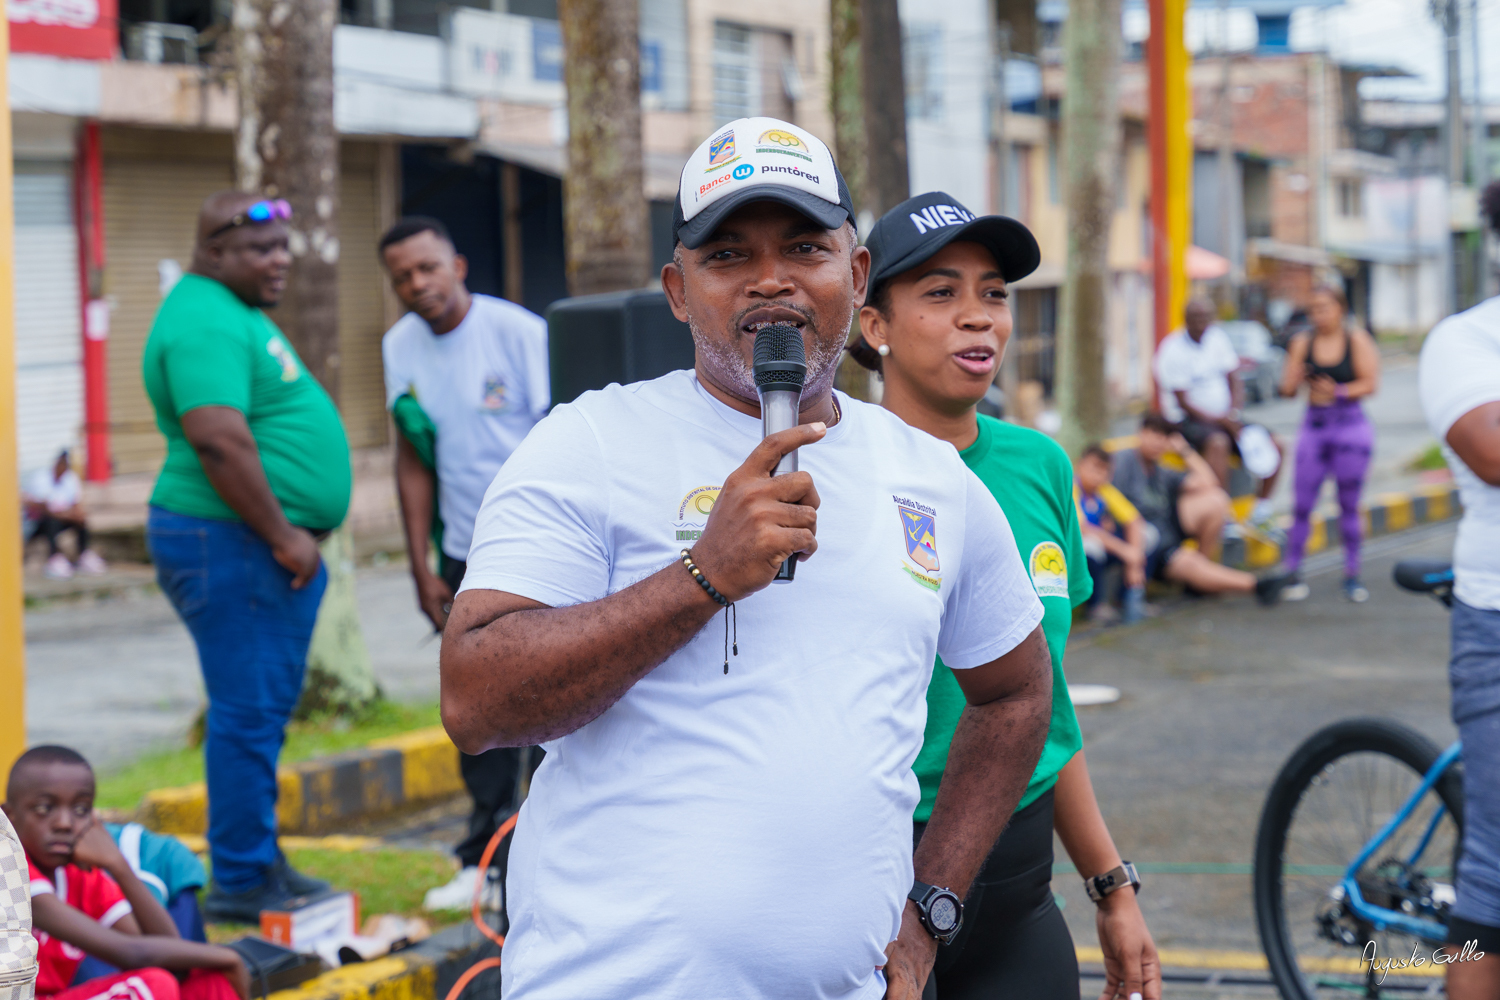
1113 533
86 900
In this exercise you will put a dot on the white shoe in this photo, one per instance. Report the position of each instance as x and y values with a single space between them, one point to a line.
1296 592
92 563
58 568
458 894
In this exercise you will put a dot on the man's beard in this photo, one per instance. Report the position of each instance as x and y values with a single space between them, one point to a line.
730 369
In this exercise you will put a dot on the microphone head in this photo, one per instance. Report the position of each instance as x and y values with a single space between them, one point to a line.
780 361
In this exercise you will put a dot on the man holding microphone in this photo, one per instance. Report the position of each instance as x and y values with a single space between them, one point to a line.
729 816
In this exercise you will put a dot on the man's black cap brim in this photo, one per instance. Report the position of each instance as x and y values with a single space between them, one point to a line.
1014 248
697 230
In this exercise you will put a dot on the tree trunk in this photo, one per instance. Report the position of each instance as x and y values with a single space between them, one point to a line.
884 90
286 146
846 105
1090 157
606 219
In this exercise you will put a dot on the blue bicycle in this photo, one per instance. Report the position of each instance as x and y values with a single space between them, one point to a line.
1357 850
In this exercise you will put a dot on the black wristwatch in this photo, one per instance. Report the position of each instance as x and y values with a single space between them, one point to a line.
941 910
1102 885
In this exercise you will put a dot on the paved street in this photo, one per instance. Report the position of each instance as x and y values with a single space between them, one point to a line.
116 677
1216 694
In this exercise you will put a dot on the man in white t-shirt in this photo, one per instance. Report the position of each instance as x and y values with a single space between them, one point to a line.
1198 392
466 379
727 813
52 501
1459 381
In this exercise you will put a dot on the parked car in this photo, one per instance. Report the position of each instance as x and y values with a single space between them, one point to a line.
1260 358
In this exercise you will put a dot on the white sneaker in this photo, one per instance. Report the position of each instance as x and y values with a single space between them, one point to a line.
458 894
92 563
58 568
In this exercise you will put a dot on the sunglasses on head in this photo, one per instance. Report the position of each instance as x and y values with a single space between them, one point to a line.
258 213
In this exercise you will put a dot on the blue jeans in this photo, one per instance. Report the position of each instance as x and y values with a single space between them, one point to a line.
252 631
1474 672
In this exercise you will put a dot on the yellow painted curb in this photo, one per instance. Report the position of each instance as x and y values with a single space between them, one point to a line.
383 979
313 794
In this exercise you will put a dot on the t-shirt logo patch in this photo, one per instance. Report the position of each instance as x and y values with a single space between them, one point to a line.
1049 570
494 393
692 513
278 349
919 532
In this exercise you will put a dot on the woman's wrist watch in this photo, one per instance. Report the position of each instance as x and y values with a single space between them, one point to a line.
1102 885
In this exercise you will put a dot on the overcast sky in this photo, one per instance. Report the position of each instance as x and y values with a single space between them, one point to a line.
1399 33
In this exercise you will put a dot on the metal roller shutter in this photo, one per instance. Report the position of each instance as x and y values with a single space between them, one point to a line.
154 183
361 297
49 344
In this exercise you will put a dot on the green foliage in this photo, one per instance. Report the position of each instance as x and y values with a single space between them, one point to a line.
1429 460
317 736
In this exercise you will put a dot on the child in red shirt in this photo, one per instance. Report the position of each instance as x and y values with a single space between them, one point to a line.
86 900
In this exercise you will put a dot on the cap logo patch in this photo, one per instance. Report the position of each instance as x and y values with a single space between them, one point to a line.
742 171
721 149
780 141
938 216
708 186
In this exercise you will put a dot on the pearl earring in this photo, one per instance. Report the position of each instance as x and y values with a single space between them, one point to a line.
884 350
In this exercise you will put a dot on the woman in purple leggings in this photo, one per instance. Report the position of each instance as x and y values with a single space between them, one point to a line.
1340 365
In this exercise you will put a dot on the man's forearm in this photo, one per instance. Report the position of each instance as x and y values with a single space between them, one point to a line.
415 486
518 677
234 470
990 762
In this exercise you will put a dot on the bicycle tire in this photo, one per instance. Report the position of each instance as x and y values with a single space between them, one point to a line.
1308 762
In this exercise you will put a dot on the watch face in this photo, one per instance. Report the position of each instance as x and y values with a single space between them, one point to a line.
944 914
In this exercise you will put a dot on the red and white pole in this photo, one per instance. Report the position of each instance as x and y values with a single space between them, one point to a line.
89 215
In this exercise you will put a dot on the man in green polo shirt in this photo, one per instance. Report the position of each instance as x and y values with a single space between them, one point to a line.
257 471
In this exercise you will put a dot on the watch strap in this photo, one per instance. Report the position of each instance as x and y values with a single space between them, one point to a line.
922 894
1102 885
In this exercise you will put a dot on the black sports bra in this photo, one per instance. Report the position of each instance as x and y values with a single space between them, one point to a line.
1341 372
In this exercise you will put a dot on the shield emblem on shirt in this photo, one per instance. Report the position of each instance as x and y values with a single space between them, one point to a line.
494 393
920 531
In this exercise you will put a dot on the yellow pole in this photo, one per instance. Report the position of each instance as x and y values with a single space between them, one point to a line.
12 641
1171 161
1179 101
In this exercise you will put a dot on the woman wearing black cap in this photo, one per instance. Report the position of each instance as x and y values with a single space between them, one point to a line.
935 325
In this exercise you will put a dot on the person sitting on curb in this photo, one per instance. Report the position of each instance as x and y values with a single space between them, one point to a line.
86 900
1185 507
1114 533
53 504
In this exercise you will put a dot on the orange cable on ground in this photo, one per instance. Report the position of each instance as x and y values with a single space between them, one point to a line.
484 928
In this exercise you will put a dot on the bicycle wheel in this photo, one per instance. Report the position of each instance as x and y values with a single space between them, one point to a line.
1330 799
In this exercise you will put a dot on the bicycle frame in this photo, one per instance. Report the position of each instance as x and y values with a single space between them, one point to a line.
1383 918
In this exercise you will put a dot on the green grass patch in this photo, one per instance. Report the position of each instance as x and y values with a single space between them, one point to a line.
124 788
1429 460
388 880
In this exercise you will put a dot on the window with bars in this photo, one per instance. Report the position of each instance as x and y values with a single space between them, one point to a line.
736 80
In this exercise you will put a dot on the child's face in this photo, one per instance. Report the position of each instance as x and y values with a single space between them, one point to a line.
53 808
1092 473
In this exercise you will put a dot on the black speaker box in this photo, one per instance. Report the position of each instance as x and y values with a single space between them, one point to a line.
623 337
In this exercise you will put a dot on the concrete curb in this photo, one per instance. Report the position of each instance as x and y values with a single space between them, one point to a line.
423 972
387 776
1387 514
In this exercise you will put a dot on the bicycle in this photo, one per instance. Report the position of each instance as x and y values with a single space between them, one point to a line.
1357 851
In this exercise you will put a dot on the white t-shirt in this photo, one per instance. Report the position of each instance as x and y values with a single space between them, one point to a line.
1460 370
749 834
1199 368
58 494
484 384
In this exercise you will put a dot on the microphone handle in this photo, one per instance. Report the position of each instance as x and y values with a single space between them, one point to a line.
779 411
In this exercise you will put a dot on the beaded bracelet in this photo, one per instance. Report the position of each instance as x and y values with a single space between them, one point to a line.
708 588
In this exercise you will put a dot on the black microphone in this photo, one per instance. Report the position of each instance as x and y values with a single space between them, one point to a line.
780 371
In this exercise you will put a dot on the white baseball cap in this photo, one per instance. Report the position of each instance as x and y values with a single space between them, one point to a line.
758 159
